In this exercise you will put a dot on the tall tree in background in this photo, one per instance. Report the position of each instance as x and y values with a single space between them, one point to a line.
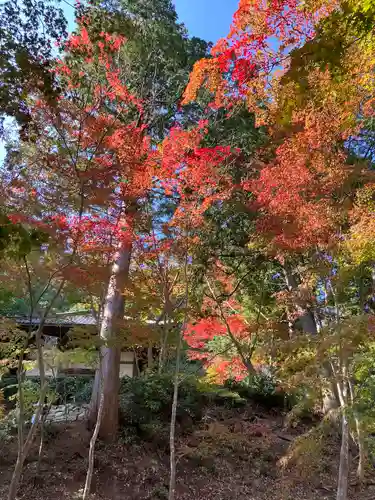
155 61
157 58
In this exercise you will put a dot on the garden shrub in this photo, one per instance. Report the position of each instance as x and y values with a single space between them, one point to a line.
146 402
262 388
31 392
8 386
8 426
74 389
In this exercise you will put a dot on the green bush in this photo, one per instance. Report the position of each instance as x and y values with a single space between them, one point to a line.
146 402
76 389
31 394
8 426
9 386
261 388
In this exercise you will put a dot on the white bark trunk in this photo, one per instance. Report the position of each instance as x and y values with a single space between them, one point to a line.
342 487
163 347
110 351
24 448
360 438
93 440
361 451
172 434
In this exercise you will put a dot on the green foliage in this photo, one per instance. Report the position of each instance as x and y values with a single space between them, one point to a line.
160 492
261 388
31 391
364 387
8 386
146 402
361 14
75 389
157 57
12 305
16 240
72 389
12 343
85 355
8 426
237 131
7 352
327 50
187 367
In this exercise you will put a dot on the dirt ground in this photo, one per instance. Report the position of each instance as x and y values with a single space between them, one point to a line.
231 454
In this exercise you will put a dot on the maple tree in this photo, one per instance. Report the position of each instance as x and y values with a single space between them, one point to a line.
278 61
83 179
93 157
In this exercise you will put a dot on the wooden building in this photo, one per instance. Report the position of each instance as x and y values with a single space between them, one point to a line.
56 336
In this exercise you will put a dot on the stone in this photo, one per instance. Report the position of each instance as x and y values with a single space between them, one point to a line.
70 412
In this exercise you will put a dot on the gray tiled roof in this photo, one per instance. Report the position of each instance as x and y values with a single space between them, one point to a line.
61 319
69 319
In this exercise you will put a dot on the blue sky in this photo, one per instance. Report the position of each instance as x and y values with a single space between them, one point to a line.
207 19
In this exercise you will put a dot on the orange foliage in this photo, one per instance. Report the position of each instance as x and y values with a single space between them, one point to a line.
93 159
262 35
195 174
297 192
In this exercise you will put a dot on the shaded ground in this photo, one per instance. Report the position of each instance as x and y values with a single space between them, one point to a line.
232 454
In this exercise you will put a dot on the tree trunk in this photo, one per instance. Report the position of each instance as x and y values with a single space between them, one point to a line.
361 451
136 361
93 440
342 487
371 299
306 320
308 324
150 357
360 438
95 398
24 448
331 400
172 434
110 351
163 347
342 390
41 442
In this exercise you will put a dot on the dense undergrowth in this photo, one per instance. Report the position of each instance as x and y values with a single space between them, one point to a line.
146 401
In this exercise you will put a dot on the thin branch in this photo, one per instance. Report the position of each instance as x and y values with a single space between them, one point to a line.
247 363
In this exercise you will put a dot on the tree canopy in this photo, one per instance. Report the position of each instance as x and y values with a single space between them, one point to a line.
224 193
